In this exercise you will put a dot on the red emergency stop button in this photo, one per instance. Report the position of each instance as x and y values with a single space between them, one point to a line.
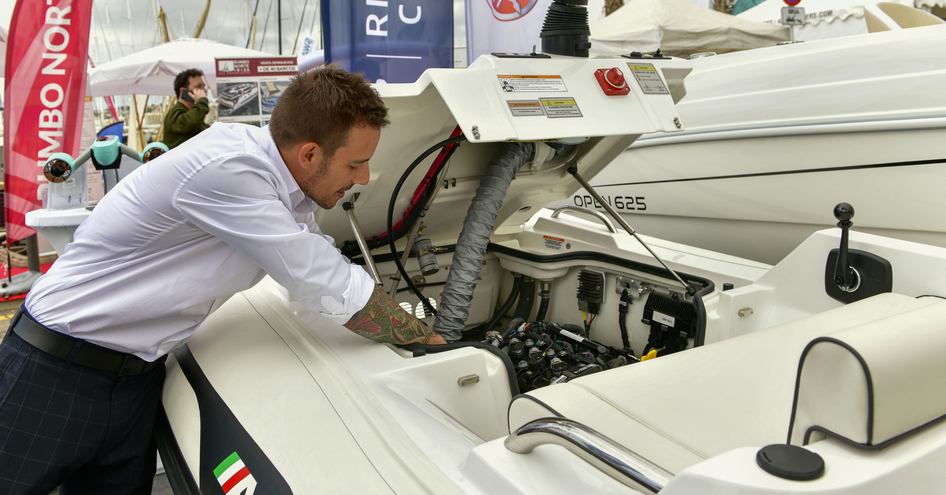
612 81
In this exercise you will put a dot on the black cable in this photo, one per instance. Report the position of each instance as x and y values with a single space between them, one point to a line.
350 248
397 189
544 298
526 299
434 284
930 295
507 304
623 308
700 308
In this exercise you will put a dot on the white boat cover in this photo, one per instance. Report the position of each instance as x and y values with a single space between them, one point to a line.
833 18
678 28
803 84
151 71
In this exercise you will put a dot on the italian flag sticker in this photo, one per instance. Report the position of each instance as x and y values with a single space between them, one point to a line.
234 477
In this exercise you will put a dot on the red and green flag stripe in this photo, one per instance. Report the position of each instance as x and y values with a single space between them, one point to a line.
231 472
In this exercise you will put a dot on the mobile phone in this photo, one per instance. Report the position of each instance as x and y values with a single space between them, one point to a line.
186 95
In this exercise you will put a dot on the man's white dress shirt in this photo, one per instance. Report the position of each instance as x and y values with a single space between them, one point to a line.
179 236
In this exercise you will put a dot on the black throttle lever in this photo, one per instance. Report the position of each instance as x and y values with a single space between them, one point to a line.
853 274
848 278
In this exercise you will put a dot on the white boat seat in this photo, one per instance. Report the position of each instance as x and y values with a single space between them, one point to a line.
683 408
856 386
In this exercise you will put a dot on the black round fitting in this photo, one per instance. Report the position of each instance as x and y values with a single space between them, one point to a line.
790 462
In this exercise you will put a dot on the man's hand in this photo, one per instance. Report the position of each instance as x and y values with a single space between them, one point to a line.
382 320
198 93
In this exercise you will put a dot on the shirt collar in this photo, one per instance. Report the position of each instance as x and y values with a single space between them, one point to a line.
296 196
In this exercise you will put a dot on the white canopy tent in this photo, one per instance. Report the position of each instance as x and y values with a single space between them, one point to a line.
833 18
152 71
311 60
679 28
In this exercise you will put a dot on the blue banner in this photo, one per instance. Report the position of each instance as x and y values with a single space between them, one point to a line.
390 40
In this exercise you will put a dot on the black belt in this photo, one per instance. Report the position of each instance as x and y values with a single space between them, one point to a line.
78 351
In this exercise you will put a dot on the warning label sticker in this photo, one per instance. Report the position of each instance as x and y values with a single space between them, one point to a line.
525 108
557 108
531 84
649 79
553 242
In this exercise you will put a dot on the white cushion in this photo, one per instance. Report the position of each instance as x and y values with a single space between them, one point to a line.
680 409
871 384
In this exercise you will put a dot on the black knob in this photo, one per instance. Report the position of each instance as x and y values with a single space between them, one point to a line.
844 212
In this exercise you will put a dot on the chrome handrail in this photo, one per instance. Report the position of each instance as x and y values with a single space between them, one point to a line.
594 447
595 213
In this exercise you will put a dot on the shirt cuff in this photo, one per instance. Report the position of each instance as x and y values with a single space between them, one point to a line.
356 296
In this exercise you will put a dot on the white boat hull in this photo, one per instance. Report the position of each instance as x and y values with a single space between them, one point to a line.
775 137
675 379
757 197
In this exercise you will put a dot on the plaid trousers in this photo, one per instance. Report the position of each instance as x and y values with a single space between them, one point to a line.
64 424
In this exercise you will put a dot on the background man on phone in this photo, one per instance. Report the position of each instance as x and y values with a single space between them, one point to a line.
186 118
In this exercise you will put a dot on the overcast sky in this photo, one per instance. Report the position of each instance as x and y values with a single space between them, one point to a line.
121 27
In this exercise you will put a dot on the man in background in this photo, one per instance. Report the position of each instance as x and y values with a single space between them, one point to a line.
186 118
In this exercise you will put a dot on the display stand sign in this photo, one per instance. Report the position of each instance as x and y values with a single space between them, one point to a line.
248 87
792 14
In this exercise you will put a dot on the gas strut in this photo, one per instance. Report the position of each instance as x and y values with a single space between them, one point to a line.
349 207
630 230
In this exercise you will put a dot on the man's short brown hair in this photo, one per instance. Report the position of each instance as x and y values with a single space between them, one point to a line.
322 105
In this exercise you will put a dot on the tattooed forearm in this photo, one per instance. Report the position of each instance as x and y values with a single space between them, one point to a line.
382 320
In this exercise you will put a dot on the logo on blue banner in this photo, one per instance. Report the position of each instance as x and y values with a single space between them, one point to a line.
388 40
510 10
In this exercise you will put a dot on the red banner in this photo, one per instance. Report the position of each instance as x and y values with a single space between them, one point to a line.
45 70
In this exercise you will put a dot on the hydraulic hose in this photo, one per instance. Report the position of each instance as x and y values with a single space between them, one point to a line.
474 238
415 209
391 238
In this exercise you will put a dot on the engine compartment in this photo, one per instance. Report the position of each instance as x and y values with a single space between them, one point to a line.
555 320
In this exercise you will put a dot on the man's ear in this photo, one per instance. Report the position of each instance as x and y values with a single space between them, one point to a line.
309 152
